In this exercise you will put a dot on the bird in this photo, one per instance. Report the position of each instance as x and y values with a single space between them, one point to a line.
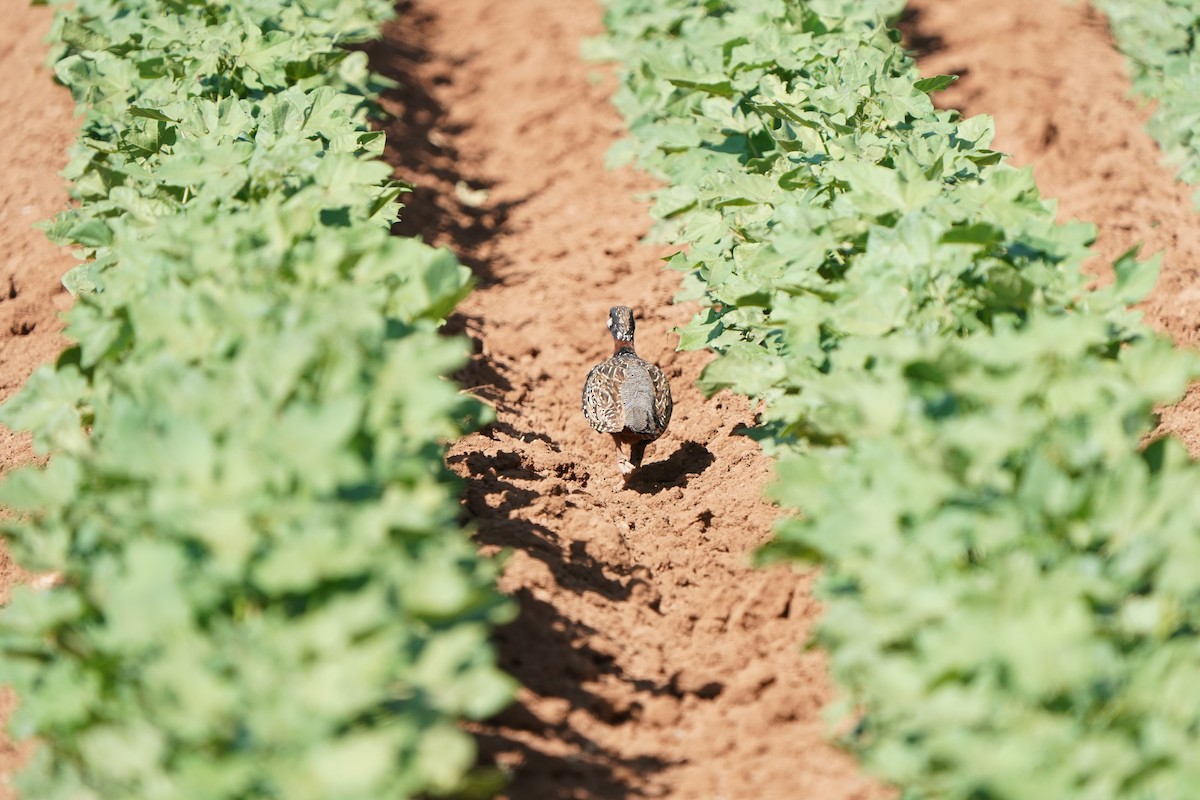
626 396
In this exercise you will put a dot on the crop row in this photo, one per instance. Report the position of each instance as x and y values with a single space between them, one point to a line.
262 588
1011 579
1159 39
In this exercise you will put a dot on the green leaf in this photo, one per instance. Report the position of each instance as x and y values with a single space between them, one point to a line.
150 113
1135 279
717 87
934 83
982 233
83 36
748 368
92 232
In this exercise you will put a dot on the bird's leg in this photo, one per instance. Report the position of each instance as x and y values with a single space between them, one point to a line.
623 463
637 451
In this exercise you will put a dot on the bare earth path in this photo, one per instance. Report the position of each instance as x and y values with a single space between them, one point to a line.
657 662
38 129
1047 70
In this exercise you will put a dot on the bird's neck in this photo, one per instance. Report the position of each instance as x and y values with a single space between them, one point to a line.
622 346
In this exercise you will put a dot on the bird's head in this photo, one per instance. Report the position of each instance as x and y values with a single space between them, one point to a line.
620 324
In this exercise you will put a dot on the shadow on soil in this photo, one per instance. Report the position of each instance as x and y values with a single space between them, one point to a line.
547 652
441 207
691 458
916 38
551 657
493 502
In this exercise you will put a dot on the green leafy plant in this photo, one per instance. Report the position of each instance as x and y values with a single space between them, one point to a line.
1012 583
264 591
1158 37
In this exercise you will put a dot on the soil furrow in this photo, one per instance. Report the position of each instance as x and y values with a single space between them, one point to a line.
38 130
1060 93
656 661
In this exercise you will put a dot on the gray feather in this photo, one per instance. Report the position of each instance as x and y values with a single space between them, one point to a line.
637 396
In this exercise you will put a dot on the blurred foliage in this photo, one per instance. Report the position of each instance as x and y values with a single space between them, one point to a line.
265 592
1012 583
1159 39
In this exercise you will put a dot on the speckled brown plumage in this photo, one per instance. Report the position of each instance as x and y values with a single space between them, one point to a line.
626 396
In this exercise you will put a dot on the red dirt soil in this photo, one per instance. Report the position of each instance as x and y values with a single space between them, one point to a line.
38 130
656 662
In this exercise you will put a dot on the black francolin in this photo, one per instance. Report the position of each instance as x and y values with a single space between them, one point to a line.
626 396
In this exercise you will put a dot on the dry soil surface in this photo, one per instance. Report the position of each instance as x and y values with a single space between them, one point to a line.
656 662
38 127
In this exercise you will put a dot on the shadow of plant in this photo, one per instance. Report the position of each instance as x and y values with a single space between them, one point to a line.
547 652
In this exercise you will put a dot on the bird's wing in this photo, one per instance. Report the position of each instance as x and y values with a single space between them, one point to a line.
663 405
602 397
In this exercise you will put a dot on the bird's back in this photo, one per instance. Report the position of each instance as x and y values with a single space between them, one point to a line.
627 394
637 398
